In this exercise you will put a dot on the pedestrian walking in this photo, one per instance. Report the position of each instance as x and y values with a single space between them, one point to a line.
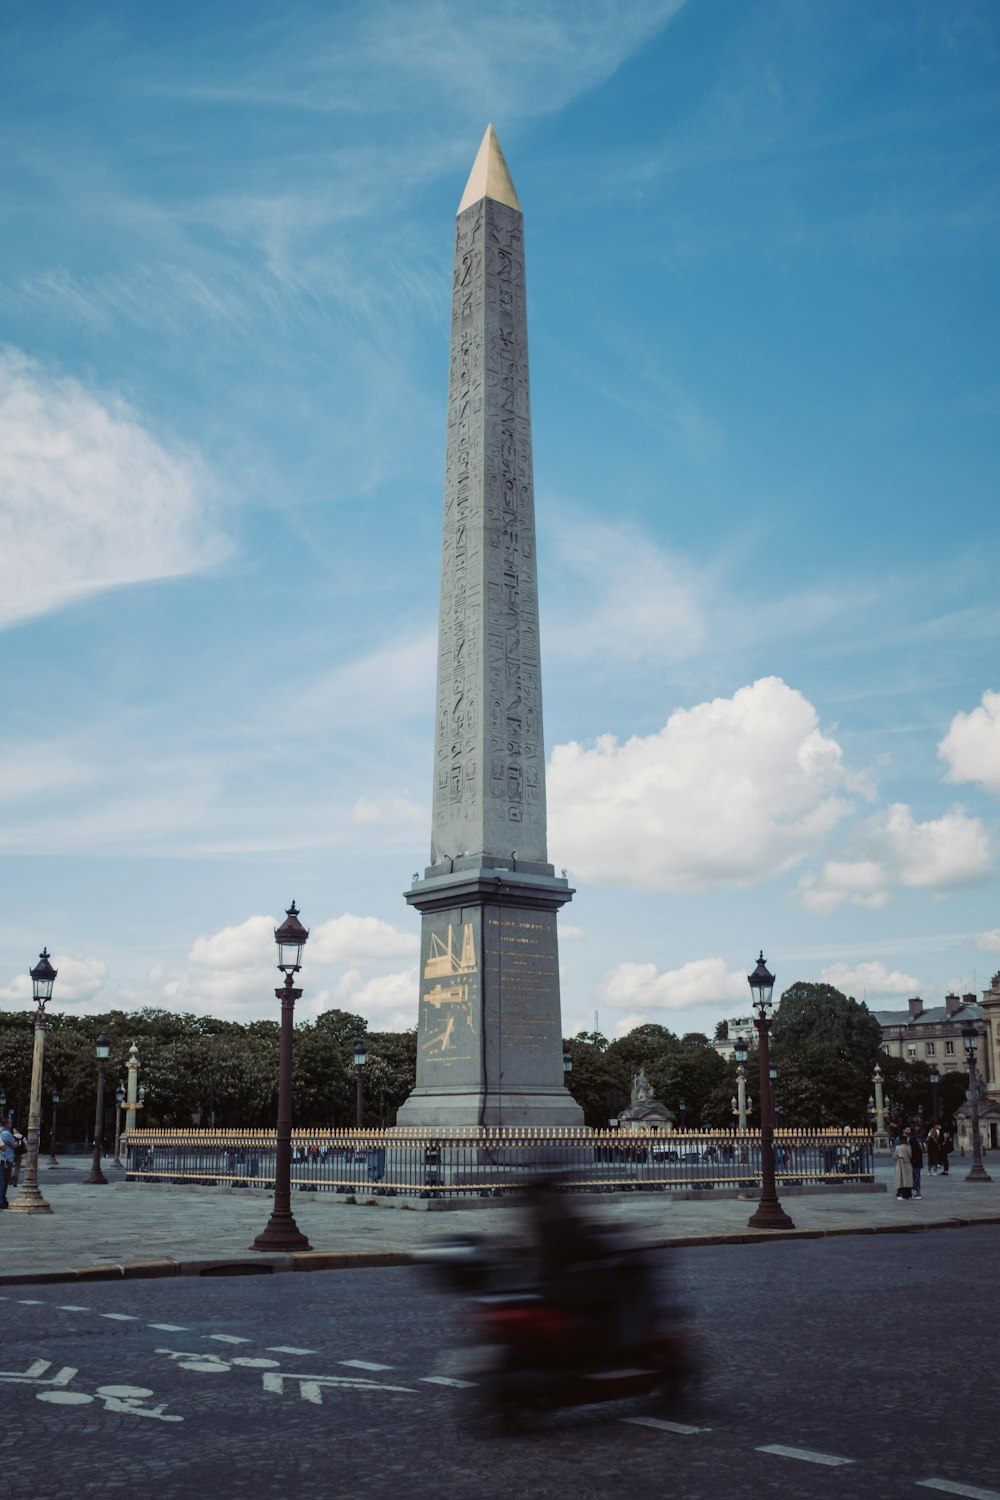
916 1160
7 1159
904 1168
947 1144
934 1150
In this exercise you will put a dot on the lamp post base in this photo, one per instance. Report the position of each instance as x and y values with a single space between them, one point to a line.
95 1177
770 1216
978 1173
281 1233
29 1201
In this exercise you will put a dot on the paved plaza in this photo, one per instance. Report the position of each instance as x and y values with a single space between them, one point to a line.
141 1230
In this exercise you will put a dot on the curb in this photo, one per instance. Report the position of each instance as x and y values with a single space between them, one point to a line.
351 1260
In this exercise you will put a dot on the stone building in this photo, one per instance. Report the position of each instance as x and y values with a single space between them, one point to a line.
934 1036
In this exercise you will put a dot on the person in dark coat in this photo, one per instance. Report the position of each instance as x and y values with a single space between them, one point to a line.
916 1159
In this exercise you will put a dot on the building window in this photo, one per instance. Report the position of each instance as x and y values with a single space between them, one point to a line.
911 1049
885 1048
949 1048
929 1048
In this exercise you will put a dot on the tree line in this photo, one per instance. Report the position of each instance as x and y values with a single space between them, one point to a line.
197 1070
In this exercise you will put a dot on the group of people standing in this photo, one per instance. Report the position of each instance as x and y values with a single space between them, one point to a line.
909 1157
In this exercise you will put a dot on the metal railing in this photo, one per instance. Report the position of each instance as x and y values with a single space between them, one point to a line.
486 1163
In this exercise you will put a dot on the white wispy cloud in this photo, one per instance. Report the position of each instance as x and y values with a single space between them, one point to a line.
642 604
728 792
989 942
971 747
89 499
873 978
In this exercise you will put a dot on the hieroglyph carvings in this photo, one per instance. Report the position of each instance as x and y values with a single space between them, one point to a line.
489 784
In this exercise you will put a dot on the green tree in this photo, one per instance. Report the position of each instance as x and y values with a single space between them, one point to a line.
825 1045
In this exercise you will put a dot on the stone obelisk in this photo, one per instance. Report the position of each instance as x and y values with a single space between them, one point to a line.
489 1036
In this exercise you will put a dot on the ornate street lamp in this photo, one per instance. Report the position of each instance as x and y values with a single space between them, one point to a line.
770 1214
977 1172
52 1136
282 1232
95 1177
935 1079
682 1111
29 1200
360 1058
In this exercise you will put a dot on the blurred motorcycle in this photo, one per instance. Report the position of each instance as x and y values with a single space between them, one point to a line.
572 1317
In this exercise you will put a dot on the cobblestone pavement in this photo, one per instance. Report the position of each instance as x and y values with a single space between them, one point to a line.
156 1230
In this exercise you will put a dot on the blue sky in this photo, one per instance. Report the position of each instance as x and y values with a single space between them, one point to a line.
762 245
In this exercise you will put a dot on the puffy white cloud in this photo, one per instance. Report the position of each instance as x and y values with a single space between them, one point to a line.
79 980
989 942
388 1002
250 945
972 745
731 791
950 851
89 500
359 940
861 882
640 987
871 978
895 849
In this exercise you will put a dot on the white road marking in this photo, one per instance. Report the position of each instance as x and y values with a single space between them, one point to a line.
357 1364
311 1386
72 1307
290 1349
220 1338
446 1380
952 1487
31 1301
126 1399
120 1317
166 1327
35 1374
663 1425
805 1455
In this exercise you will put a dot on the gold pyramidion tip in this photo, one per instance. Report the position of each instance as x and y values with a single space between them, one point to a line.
489 177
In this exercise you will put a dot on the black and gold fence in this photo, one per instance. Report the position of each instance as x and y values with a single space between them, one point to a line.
487 1163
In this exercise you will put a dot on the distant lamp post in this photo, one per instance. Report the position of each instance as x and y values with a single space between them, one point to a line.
567 1064
119 1105
769 1214
935 1106
52 1133
682 1111
360 1058
282 1232
29 1199
881 1138
977 1172
741 1052
95 1177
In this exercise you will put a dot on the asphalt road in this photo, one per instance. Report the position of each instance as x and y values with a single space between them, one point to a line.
870 1357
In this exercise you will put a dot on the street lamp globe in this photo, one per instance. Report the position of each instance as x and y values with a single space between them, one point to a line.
360 1054
291 939
772 1071
970 1037
102 1047
935 1078
740 1050
567 1062
761 983
43 976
